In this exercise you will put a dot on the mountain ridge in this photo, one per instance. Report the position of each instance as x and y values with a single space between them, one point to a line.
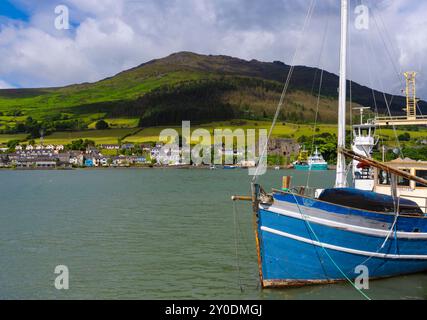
191 86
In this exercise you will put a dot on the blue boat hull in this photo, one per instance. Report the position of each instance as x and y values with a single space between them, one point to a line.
307 167
317 242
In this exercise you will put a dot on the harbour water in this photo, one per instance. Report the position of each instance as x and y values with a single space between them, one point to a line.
147 234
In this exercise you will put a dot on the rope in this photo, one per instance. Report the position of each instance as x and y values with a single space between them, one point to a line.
236 244
318 95
392 59
327 253
396 209
369 41
392 228
286 86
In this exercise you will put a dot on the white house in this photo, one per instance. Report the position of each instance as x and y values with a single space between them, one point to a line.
77 160
110 146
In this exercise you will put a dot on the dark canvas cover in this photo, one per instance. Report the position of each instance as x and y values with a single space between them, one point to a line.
368 200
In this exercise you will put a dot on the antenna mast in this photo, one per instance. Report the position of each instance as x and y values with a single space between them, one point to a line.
341 167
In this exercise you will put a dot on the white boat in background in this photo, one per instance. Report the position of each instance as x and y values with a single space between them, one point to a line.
313 162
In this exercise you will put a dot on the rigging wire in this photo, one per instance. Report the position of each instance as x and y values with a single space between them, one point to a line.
371 83
384 38
238 234
398 73
350 82
325 32
286 86
377 14
387 103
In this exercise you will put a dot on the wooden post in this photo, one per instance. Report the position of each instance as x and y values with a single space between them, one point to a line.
286 183
255 202
241 198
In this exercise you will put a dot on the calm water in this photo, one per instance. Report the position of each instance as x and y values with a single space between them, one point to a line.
145 234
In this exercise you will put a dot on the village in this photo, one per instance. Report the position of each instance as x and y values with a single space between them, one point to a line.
50 156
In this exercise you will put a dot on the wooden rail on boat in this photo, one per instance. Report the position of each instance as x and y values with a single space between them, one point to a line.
382 166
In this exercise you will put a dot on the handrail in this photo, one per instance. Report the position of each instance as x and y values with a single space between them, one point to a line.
399 118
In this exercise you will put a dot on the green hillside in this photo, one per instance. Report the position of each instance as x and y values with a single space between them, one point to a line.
182 86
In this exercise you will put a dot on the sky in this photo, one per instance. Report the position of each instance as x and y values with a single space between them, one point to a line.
107 36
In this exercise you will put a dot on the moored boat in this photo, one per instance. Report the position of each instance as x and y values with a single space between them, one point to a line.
230 167
308 240
313 162
311 236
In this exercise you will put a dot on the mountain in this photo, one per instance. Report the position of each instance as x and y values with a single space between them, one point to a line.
189 86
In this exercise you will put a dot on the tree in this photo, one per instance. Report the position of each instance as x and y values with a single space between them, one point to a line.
404 137
11 144
101 125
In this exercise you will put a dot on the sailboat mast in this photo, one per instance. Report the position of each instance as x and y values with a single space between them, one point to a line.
341 167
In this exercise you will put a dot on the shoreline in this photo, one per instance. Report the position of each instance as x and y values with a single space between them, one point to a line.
186 167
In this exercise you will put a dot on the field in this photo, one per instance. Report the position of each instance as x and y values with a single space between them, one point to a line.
126 128
4 138
109 136
118 123
281 130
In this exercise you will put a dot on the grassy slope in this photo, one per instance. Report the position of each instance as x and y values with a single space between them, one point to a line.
151 134
77 101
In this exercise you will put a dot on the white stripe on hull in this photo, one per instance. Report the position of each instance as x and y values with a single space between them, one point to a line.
343 249
347 227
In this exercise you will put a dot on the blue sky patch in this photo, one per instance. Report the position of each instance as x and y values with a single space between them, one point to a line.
9 10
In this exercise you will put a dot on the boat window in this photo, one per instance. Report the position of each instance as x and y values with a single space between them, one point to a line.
401 181
421 174
383 177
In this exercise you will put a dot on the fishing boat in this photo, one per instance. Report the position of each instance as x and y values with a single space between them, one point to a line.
313 162
308 236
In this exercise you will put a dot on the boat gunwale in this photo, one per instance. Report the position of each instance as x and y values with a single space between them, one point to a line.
374 232
424 216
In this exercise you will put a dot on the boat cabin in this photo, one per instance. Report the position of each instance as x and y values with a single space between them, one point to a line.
404 188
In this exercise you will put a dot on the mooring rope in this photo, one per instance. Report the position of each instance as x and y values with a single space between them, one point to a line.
236 246
327 253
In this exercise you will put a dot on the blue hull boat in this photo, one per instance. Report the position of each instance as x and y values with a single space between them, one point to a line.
309 241
333 234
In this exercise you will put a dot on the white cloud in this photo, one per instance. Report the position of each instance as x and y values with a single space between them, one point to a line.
5 85
111 35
